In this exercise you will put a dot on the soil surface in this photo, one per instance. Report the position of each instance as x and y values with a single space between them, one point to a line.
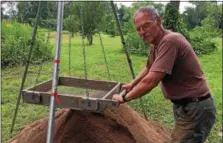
116 125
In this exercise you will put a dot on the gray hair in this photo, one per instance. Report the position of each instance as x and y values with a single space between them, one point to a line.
148 10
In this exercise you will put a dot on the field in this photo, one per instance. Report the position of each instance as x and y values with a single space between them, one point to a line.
157 107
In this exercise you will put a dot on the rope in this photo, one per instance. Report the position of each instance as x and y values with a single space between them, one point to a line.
41 65
102 46
126 53
27 64
69 50
103 51
84 50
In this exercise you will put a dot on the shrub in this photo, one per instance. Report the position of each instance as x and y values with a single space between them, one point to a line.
15 45
201 40
136 45
203 46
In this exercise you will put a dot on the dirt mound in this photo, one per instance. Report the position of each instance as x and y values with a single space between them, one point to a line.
117 125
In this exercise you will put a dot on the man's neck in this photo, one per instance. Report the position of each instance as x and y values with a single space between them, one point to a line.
159 37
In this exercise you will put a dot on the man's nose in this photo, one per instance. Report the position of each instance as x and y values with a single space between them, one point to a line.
141 31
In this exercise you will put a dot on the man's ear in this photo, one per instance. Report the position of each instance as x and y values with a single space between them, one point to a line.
159 20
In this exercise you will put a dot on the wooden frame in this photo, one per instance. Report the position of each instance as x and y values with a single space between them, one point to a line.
40 94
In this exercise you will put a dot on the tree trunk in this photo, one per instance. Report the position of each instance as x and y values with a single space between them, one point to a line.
176 4
90 39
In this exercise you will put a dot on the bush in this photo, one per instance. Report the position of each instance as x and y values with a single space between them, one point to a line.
203 46
201 40
136 45
15 45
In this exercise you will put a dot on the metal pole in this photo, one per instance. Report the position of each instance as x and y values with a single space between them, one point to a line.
126 53
27 65
56 73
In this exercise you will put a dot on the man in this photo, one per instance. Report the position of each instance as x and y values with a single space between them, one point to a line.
174 64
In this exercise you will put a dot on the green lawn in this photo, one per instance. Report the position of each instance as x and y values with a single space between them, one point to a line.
157 107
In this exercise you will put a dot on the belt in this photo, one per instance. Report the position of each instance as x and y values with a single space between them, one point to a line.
188 100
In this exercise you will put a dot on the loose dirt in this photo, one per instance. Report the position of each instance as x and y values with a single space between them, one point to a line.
116 125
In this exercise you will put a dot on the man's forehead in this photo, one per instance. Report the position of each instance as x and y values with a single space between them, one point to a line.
144 15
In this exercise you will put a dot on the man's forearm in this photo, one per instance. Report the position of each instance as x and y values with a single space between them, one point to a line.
141 75
149 82
141 89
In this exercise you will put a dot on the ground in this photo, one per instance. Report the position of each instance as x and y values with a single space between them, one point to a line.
116 125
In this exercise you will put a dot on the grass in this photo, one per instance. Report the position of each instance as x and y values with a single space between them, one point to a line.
157 108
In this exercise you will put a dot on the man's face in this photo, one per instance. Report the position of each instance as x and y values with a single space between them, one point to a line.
146 26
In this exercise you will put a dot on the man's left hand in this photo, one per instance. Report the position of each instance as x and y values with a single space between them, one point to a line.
117 98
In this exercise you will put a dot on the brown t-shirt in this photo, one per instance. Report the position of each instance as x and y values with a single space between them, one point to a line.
175 57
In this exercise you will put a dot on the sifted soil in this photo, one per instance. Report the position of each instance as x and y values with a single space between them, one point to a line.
117 125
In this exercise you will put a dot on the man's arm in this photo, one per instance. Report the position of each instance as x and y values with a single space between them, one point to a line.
141 75
145 85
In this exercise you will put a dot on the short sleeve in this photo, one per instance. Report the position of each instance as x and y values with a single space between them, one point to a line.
165 58
150 59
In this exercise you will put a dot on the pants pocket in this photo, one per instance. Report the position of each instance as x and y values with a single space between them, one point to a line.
190 111
207 121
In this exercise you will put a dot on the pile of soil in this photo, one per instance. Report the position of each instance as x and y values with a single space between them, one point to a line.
117 125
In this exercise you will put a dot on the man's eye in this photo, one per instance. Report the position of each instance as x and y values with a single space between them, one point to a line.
147 25
138 29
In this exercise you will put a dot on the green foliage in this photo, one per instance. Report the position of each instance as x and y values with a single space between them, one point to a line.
201 35
15 45
136 45
109 25
193 16
129 25
71 24
200 40
48 23
90 15
28 10
203 46
171 18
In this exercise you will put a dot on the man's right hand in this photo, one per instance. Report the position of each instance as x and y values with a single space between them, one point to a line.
128 87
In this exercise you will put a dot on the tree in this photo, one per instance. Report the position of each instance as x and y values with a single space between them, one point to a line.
160 8
173 19
189 16
176 4
108 24
210 25
172 16
71 24
194 15
90 13
201 10
11 11
2 9
27 12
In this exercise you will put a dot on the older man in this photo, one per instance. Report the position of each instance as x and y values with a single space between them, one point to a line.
174 64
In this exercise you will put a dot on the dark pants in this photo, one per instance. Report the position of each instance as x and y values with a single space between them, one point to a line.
193 121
